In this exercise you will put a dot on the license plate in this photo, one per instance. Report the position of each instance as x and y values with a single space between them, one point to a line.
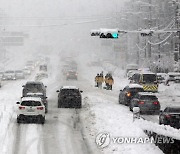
30 110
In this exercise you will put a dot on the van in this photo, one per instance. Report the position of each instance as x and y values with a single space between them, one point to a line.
147 79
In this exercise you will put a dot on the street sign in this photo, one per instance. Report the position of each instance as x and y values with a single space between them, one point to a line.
12 38
11 44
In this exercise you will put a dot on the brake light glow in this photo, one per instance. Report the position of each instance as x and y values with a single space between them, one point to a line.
21 107
168 116
141 102
40 108
156 103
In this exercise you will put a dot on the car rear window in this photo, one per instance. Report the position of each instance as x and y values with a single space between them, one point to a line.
69 91
173 110
148 97
34 87
31 103
136 90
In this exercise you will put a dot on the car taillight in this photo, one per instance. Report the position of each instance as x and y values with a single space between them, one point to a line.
141 102
40 108
128 94
156 103
21 107
168 116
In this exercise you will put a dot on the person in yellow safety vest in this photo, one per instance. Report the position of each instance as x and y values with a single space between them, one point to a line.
100 81
110 82
96 80
106 79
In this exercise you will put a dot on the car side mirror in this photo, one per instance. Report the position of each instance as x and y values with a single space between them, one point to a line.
17 102
57 91
160 111
23 86
81 91
121 90
45 86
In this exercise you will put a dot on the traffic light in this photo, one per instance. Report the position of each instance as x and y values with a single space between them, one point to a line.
109 33
95 32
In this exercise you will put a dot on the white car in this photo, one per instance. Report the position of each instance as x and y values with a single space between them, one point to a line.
31 108
9 75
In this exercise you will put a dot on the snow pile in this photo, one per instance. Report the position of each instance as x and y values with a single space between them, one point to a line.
103 115
164 130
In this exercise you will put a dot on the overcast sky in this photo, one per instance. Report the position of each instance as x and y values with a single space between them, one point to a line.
29 12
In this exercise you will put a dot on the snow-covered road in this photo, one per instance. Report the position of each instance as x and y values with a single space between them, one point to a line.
73 131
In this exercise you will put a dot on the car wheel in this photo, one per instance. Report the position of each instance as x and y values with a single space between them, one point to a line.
130 107
59 104
42 120
120 101
78 106
18 120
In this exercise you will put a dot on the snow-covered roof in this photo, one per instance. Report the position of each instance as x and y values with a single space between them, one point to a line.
105 30
147 72
69 87
135 86
173 73
147 93
33 94
95 30
31 99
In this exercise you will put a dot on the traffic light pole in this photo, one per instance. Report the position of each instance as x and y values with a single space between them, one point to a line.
149 37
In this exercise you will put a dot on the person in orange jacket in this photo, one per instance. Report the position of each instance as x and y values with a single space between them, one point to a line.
100 81
96 80
110 82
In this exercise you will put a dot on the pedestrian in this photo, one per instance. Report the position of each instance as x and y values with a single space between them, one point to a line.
110 81
106 80
100 81
96 80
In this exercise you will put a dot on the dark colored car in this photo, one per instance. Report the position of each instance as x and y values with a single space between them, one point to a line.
170 116
147 102
71 74
69 97
128 92
35 88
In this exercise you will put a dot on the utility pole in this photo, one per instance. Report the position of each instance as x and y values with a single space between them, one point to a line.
177 37
149 26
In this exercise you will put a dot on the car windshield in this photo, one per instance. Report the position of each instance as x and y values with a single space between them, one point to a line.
31 103
149 78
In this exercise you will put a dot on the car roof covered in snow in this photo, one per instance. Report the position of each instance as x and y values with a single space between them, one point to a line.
31 99
146 93
69 87
135 86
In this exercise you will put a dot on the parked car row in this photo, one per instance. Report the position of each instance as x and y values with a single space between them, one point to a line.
133 95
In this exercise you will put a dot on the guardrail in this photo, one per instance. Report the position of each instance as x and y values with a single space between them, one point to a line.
165 137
